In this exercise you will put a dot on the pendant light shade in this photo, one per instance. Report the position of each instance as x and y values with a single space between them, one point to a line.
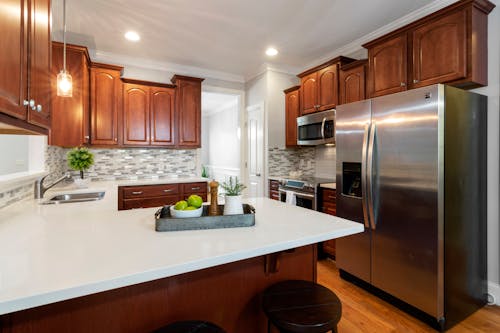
64 80
64 84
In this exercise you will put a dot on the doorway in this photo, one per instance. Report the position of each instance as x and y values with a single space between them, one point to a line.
221 149
255 146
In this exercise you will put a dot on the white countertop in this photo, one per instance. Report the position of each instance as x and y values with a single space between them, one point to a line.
50 253
332 186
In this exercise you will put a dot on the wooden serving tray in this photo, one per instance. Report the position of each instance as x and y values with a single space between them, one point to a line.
165 222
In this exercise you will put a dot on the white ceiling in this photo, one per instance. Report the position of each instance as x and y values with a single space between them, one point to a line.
227 35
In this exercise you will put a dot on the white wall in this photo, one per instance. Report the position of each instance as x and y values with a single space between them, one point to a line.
14 150
493 92
276 83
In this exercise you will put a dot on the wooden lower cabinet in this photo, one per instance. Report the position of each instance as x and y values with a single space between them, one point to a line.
227 295
328 205
273 189
130 197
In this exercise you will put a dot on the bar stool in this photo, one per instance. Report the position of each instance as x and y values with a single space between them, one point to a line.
192 326
301 307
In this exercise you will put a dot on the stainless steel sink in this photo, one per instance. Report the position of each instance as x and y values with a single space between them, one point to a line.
75 197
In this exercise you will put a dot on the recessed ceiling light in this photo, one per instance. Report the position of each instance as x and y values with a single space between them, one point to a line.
132 36
271 52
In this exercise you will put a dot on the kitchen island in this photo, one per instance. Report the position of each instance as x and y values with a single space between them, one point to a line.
89 267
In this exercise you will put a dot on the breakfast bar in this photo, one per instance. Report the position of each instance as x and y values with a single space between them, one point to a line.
90 267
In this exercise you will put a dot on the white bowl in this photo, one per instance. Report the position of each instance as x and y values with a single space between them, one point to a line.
185 213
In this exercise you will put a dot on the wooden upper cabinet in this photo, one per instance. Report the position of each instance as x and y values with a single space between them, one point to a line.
320 86
25 50
449 46
188 109
70 118
136 115
352 82
162 116
440 50
309 93
328 88
105 103
292 111
14 58
40 62
387 66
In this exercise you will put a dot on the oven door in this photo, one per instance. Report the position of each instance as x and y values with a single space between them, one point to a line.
305 200
316 129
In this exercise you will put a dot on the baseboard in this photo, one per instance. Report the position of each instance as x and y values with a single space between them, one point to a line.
494 290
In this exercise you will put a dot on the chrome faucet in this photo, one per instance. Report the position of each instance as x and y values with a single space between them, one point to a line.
40 189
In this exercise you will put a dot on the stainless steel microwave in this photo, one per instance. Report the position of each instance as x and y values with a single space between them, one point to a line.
316 128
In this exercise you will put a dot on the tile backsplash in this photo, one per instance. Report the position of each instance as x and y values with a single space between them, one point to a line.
131 163
283 160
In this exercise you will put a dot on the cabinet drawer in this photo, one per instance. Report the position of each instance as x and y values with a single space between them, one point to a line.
274 184
194 188
274 195
150 202
130 192
329 195
329 208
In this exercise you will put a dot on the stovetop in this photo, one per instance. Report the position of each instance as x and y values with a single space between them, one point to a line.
306 184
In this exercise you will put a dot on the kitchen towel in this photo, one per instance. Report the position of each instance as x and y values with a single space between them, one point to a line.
290 198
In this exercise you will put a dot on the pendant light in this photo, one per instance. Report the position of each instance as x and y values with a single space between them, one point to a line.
64 80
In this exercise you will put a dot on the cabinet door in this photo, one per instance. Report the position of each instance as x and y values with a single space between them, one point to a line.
136 115
387 66
440 50
162 116
70 115
292 111
13 58
189 113
328 87
105 102
39 86
309 93
352 85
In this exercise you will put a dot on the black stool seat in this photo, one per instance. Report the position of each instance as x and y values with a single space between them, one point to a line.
190 327
302 307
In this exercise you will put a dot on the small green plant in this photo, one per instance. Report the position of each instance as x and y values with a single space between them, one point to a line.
233 187
80 159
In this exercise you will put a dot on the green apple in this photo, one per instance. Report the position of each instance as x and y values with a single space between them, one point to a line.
181 205
190 208
195 200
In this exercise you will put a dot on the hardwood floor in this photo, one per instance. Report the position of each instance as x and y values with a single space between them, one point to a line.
364 312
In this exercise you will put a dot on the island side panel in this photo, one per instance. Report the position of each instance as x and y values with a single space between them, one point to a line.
228 295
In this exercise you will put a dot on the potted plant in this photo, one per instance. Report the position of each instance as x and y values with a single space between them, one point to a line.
80 159
232 202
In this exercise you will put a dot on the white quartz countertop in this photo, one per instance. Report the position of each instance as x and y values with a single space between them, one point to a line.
50 253
332 186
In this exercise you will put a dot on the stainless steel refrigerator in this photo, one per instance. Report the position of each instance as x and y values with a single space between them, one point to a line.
412 168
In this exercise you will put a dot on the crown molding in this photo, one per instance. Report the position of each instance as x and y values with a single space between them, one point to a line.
266 67
356 45
124 60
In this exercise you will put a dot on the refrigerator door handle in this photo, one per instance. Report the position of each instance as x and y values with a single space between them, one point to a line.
364 177
369 176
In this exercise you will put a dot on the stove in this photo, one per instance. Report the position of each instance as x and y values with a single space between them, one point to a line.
302 192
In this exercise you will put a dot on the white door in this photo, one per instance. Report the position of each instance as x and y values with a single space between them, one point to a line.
255 161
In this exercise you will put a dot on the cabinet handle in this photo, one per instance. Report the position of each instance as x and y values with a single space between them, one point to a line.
257 174
402 84
331 197
116 139
39 108
137 193
86 138
30 103
415 81
195 188
166 191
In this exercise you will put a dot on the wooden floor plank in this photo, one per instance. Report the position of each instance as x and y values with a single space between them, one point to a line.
364 312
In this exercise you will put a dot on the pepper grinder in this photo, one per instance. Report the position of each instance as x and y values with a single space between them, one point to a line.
213 210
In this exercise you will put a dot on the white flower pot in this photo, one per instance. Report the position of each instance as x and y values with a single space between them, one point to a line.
81 183
232 205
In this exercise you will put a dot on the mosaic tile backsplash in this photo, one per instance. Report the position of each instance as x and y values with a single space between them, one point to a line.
13 195
283 160
131 163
